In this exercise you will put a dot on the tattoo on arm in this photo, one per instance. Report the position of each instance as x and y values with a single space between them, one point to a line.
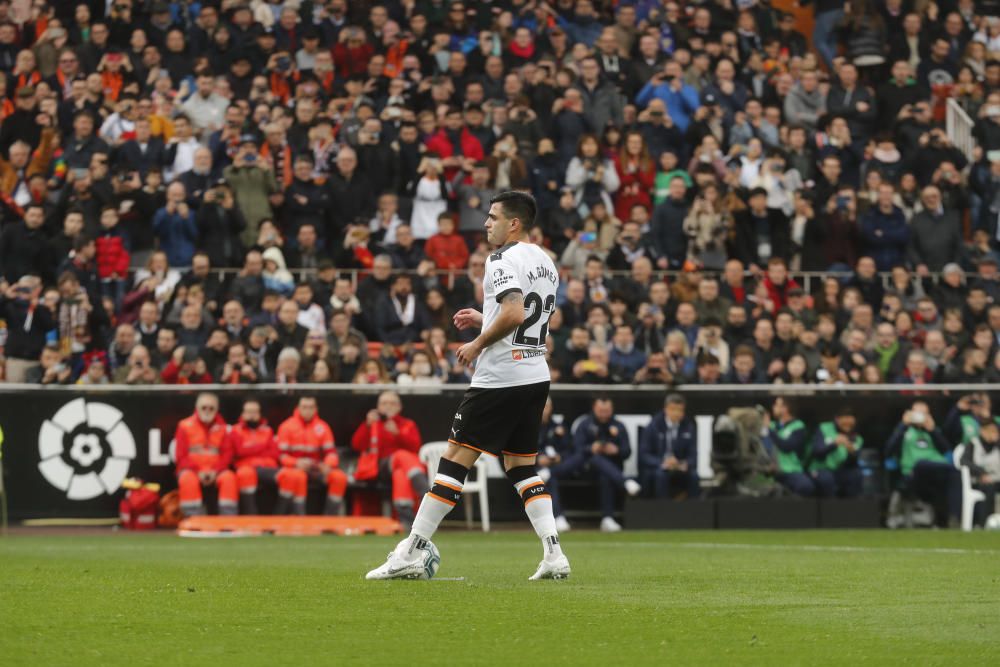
514 298
502 326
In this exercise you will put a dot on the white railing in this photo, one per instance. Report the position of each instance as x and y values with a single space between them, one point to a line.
958 126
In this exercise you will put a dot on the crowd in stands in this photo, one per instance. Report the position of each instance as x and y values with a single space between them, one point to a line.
687 159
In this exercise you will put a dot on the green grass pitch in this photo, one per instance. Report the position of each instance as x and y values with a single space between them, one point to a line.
713 598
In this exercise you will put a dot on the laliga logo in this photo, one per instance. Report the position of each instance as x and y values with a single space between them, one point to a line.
85 449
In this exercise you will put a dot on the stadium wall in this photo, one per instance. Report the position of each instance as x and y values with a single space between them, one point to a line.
66 452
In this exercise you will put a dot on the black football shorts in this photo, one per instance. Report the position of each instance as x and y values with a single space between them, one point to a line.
500 421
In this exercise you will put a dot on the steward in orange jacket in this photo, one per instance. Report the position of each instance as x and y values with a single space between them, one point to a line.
306 443
203 456
396 441
255 457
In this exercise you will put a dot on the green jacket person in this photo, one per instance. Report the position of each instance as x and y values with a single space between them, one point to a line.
834 463
924 460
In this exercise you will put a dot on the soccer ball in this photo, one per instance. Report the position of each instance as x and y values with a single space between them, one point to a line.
992 522
431 561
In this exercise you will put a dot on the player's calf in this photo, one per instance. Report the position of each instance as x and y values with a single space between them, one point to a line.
538 507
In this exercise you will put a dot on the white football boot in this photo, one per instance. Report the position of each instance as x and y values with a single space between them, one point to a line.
557 568
404 562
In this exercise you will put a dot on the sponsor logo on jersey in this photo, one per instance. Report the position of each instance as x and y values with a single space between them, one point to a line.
519 355
501 277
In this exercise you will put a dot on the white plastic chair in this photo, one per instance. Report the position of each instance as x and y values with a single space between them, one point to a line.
431 453
970 496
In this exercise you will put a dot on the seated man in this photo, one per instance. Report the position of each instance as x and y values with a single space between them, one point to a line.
388 444
203 457
924 461
255 457
554 445
786 441
600 446
305 442
965 420
834 464
982 457
668 452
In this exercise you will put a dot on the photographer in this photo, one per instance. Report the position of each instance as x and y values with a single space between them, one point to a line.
785 440
834 463
253 185
139 369
924 461
592 178
220 223
681 100
52 369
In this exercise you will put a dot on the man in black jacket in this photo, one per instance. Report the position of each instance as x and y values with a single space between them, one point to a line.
400 317
23 246
761 232
28 323
143 153
667 229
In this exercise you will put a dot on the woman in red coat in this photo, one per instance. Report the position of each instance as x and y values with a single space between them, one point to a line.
636 172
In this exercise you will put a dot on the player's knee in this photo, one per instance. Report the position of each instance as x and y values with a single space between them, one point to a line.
511 461
463 456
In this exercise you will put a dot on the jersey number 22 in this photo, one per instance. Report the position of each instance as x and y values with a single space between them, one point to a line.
534 302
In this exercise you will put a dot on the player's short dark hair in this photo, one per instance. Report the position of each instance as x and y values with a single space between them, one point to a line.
675 399
518 205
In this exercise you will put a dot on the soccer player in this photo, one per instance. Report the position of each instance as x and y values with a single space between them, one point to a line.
306 443
502 409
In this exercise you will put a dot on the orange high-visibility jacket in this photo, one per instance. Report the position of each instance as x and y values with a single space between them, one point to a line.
202 446
312 440
253 446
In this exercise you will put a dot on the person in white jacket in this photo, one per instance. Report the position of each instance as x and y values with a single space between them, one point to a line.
591 177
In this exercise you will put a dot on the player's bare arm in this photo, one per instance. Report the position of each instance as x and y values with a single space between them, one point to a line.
468 318
511 316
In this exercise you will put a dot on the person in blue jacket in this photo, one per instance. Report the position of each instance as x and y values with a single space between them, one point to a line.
600 445
668 452
680 98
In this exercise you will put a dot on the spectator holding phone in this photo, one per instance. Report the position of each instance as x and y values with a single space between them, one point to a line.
923 455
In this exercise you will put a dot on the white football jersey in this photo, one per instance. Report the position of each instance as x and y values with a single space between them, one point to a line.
519 358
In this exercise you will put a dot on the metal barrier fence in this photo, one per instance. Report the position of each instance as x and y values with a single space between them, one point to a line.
958 127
